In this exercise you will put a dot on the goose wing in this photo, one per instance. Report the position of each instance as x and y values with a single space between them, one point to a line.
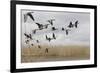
54 36
30 15
46 37
39 25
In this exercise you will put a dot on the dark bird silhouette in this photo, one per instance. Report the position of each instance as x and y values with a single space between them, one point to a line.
63 29
70 25
54 36
32 44
51 21
73 25
37 41
76 23
46 25
46 50
27 41
34 31
40 26
28 36
67 31
28 14
49 39
53 28
39 46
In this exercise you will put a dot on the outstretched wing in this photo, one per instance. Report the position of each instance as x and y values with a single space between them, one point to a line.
76 23
51 21
46 37
34 31
39 25
26 35
67 32
30 15
30 36
46 25
70 25
54 36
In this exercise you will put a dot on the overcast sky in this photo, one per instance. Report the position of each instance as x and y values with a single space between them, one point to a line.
76 36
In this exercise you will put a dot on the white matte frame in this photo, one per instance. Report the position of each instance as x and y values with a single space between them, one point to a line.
57 63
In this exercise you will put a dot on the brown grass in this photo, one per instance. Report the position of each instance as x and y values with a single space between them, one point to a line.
56 53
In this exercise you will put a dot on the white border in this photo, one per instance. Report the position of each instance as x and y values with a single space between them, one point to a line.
20 65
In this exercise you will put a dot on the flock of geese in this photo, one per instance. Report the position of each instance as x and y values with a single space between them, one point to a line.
45 26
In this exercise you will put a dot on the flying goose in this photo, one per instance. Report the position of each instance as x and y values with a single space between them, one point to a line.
70 25
51 21
29 14
48 38
53 28
54 36
28 36
76 23
63 29
67 31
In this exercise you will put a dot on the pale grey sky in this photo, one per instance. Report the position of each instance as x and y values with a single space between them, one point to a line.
80 35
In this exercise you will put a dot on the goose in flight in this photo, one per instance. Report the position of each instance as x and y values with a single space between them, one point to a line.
67 31
54 36
27 41
29 14
48 38
53 28
34 31
32 44
28 36
76 23
41 26
51 21
46 26
37 41
39 46
70 25
63 29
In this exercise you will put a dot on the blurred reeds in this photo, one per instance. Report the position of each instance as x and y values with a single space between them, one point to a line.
55 53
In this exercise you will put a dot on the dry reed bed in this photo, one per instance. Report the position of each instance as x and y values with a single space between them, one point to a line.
35 54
